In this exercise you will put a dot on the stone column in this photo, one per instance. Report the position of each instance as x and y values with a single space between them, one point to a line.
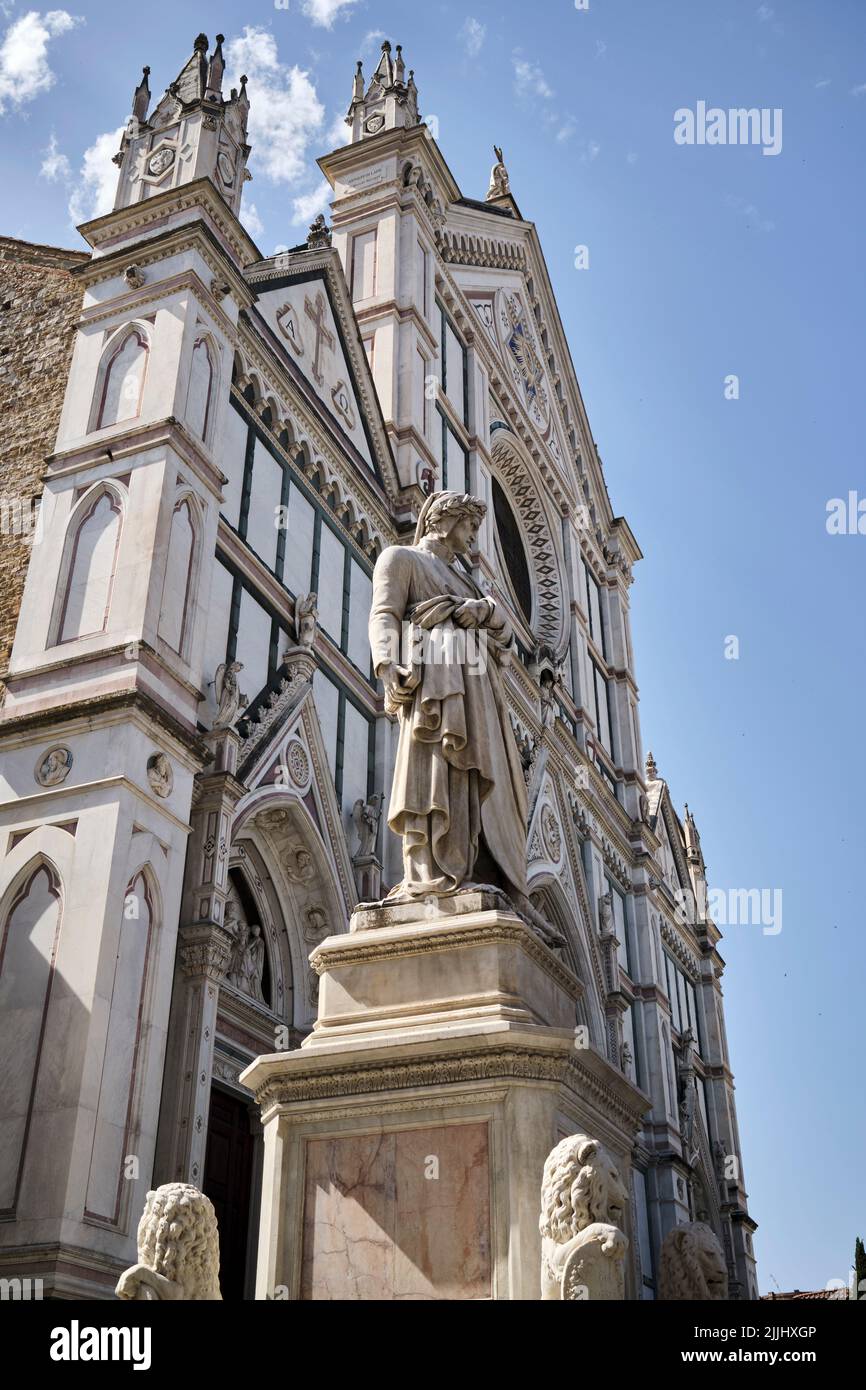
203 954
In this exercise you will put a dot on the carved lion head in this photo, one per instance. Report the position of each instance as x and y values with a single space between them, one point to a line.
692 1264
178 1238
581 1185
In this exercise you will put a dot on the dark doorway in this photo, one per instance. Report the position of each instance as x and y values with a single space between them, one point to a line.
228 1173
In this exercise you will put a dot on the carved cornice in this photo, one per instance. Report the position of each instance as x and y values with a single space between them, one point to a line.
359 948
624 1104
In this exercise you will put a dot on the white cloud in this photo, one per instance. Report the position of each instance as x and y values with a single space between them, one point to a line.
324 12
285 112
859 90
600 48
251 220
529 80
824 82
473 35
338 132
24 69
96 187
566 130
750 213
54 164
372 41
309 205
592 151
631 157
764 13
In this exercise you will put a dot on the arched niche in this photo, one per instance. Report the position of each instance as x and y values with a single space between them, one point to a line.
181 574
202 389
30 920
548 895
130 954
121 377
299 892
89 565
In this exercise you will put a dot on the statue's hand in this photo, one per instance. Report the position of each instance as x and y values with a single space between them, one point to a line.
475 612
395 693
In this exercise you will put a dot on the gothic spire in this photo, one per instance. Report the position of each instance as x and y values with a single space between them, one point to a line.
141 97
389 101
216 68
652 771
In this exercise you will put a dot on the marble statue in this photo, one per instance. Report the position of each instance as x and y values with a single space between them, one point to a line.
582 1201
500 186
247 960
306 619
228 693
253 965
365 817
692 1265
178 1249
458 799
605 914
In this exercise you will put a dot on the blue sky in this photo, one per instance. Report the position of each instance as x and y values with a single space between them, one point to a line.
704 262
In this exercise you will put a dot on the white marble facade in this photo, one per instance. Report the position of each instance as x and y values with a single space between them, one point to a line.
238 432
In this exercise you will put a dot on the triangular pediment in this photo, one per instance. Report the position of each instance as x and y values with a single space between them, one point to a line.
304 308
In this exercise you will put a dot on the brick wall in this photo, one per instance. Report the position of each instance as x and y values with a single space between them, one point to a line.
39 303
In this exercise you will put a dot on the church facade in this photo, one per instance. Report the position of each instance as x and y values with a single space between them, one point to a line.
194 751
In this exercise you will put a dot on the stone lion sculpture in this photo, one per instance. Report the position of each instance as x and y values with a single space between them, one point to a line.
178 1248
692 1264
582 1201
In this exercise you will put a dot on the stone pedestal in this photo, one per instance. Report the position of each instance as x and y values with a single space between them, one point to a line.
405 1141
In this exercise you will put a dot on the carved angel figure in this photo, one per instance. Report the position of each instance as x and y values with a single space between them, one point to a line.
178 1249
228 694
365 818
582 1200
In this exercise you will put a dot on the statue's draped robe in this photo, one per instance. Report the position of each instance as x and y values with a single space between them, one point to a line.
458 778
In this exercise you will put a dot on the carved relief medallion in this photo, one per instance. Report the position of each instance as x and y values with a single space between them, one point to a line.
160 160
54 767
160 775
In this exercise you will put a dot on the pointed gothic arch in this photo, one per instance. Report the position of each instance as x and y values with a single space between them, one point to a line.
183 565
89 564
549 896
121 377
203 387
31 914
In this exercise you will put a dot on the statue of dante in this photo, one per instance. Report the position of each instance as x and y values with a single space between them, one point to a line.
458 798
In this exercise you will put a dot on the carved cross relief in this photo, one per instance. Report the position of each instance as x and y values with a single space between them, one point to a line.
315 312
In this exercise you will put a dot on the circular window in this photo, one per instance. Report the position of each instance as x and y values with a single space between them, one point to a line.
512 551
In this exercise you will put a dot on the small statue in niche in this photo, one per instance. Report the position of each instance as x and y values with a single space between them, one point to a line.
253 964
365 817
306 619
626 1059
228 694
178 1249
605 914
